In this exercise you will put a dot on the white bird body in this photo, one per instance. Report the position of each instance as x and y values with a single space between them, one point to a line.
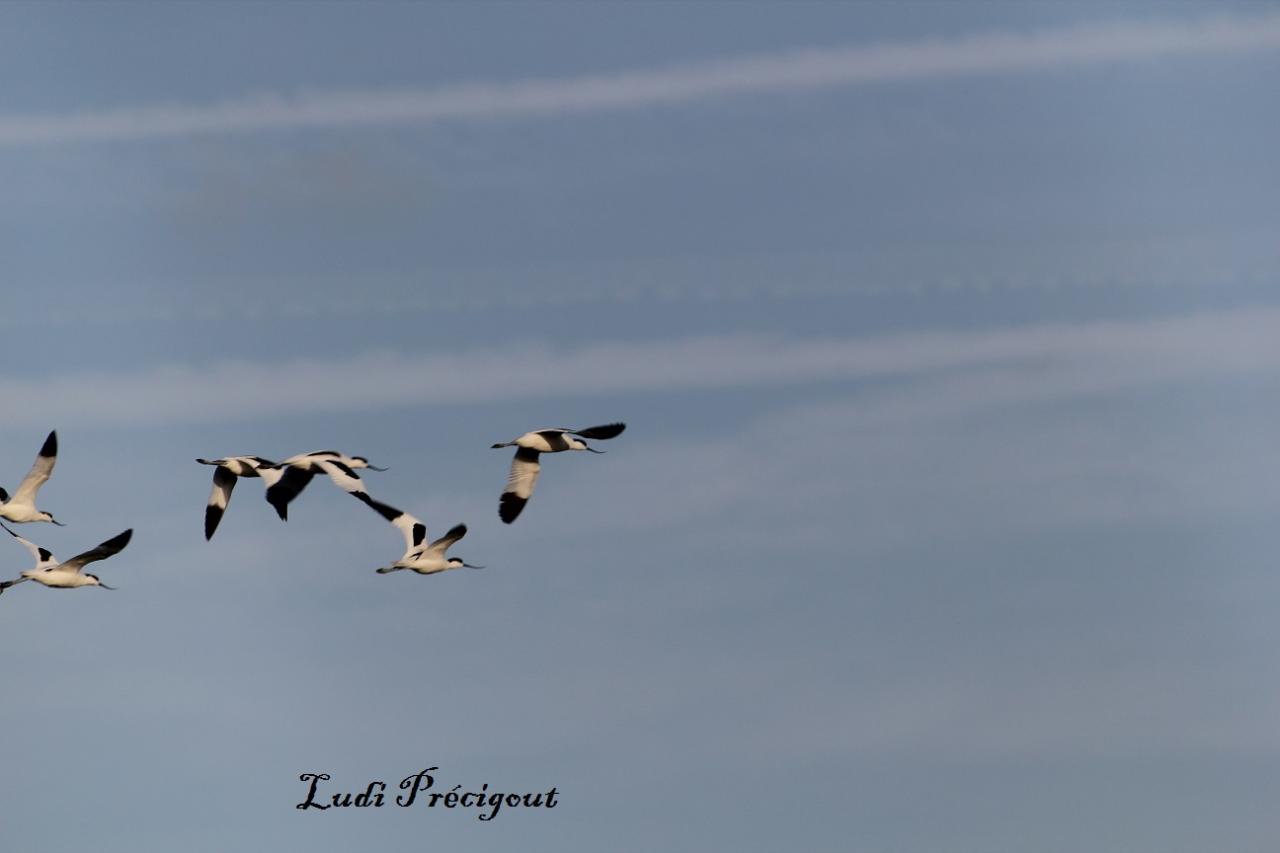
225 473
317 460
286 480
525 466
21 507
70 574
549 441
424 563
61 578
240 466
419 555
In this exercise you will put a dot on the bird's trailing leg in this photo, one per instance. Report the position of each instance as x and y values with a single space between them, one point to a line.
6 584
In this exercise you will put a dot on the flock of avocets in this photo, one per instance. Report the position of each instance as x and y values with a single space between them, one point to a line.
284 481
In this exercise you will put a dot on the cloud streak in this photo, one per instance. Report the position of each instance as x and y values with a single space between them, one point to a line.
967 369
800 70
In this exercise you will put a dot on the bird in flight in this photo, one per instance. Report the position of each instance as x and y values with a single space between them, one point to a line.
525 465
419 555
66 575
22 506
225 472
286 480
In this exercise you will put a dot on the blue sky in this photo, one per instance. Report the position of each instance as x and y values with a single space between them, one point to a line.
946 337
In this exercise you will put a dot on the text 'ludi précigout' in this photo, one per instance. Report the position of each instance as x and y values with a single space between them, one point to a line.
417 789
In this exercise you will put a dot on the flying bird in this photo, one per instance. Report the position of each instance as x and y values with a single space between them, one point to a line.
525 466
224 481
22 506
420 556
286 480
49 572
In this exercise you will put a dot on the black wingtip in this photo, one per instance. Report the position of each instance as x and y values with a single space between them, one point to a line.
117 543
50 446
389 513
212 515
279 501
603 432
509 506
4 496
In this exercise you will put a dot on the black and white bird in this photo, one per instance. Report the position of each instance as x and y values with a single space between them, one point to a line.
22 506
68 575
419 555
525 466
224 481
286 480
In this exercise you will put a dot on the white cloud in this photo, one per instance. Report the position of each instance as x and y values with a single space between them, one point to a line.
972 370
792 71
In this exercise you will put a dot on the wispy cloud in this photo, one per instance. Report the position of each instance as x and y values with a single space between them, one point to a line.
791 71
1244 258
974 369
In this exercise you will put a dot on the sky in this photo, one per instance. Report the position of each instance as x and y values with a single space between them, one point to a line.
947 337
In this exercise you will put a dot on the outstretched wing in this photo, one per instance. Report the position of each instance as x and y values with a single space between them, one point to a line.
602 432
520 482
445 542
39 472
44 559
111 547
287 487
271 474
415 532
223 483
342 476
